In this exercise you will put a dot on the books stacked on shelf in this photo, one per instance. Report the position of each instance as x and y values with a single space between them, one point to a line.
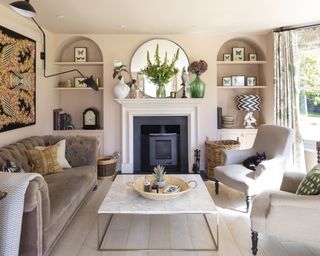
61 120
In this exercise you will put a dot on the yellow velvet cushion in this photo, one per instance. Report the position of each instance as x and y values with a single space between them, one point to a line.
44 161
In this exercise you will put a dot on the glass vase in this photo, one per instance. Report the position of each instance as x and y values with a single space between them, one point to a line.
161 91
197 88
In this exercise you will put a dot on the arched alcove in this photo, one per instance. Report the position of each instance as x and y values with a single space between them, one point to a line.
70 90
242 70
65 51
250 47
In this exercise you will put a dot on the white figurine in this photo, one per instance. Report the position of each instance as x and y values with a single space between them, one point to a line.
185 77
249 120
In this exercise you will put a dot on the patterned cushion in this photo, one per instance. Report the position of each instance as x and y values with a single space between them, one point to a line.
61 152
44 161
310 185
10 166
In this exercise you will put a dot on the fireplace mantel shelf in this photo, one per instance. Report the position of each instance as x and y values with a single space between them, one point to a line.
156 101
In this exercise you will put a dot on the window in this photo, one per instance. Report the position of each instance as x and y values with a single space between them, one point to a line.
309 82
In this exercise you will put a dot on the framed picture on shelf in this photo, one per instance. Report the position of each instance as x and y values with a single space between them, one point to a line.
238 80
227 57
78 82
238 53
251 81
226 81
80 54
253 57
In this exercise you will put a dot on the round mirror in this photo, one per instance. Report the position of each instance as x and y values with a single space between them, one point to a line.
139 62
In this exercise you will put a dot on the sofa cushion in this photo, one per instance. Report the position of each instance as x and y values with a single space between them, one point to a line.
65 187
44 161
310 185
61 153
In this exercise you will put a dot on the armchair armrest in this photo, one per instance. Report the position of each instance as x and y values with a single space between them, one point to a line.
30 198
37 194
286 199
291 181
271 164
237 156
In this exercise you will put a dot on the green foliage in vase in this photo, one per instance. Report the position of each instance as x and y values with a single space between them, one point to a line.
159 72
159 173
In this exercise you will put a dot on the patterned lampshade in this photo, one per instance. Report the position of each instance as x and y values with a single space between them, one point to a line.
248 102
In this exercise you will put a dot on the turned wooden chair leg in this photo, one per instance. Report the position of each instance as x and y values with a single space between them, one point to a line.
217 186
254 239
248 199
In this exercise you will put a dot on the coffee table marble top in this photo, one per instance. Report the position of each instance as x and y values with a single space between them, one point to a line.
123 199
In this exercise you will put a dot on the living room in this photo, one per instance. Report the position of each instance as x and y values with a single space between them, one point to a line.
112 33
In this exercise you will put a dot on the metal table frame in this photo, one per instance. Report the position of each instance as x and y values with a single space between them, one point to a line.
108 224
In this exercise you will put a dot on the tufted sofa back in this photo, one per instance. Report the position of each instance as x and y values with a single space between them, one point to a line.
16 152
80 150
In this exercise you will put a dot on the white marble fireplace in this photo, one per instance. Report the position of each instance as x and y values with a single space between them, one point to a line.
156 107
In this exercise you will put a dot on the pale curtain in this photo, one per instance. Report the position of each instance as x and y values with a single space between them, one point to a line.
287 90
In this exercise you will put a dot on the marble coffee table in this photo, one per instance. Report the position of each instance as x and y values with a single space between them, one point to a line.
122 199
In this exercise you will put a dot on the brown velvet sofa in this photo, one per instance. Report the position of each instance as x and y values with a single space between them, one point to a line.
51 202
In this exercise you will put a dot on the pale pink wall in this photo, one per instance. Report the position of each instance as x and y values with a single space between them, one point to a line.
197 46
45 99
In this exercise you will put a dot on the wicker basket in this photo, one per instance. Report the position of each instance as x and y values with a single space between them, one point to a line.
107 166
214 155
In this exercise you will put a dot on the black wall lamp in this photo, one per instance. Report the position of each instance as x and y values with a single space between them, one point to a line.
25 9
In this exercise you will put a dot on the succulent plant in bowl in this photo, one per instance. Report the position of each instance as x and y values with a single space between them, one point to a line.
159 174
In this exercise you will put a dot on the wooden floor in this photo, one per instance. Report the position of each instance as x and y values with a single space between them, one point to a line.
173 231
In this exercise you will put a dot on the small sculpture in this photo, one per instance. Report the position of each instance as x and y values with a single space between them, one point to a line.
184 76
185 81
249 120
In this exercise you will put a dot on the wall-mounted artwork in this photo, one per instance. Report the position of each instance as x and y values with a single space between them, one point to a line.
17 80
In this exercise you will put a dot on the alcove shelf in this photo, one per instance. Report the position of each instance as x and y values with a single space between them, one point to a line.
75 100
75 89
78 63
243 87
246 62
226 94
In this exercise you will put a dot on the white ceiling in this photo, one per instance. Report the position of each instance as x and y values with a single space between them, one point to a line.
172 16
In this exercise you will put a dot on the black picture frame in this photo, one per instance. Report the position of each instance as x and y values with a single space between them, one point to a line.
251 81
78 82
252 57
80 54
227 57
226 81
238 53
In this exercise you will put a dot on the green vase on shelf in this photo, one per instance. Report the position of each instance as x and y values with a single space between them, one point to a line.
197 87
161 91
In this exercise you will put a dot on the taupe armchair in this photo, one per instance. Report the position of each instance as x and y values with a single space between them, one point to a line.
277 213
276 142
284 214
